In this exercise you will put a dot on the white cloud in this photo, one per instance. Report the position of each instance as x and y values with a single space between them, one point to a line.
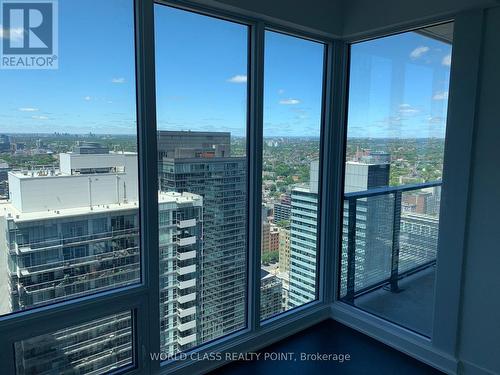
87 98
441 95
289 101
118 80
446 60
28 109
281 91
435 120
39 117
407 109
419 52
16 34
238 79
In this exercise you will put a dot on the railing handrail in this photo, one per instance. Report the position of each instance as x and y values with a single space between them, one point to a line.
390 189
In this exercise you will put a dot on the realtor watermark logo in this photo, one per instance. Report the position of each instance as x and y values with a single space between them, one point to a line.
29 34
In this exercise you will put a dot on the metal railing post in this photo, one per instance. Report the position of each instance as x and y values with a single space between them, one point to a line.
351 249
396 229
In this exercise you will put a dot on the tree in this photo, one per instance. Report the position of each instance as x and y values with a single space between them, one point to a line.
284 224
270 257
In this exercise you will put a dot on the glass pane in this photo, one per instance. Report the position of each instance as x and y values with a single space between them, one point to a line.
398 98
201 80
68 163
95 347
293 84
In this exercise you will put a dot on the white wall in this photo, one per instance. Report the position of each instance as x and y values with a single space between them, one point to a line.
323 16
42 193
38 194
123 161
361 16
480 317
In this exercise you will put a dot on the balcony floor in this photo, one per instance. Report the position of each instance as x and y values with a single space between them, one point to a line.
411 308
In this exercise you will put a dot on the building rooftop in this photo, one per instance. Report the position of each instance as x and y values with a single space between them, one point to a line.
366 162
304 188
10 211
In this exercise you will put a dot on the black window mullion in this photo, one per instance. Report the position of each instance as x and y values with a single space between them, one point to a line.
255 140
148 176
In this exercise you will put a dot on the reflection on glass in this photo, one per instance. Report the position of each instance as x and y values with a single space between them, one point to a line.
68 164
201 80
398 98
96 347
290 172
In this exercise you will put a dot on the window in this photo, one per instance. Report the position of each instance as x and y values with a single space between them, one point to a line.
70 184
129 273
293 82
201 81
95 347
68 164
398 95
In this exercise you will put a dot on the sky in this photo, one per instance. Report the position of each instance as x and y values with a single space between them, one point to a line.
398 85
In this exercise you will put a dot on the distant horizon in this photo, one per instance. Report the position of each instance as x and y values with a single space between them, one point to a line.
200 131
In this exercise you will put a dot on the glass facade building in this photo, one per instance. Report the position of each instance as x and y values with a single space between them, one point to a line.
201 163
303 242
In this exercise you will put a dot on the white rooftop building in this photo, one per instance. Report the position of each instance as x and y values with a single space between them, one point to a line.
72 231
83 180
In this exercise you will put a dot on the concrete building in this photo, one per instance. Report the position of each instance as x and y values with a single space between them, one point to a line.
360 176
75 230
4 143
374 219
284 250
282 211
285 289
182 144
85 148
266 212
271 295
418 240
266 228
4 180
374 228
180 245
424 201
270 237
110 347
274 238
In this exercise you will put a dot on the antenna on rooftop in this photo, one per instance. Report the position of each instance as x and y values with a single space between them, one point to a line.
124 192
90 193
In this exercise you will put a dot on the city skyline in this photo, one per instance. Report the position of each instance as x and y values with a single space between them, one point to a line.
13 134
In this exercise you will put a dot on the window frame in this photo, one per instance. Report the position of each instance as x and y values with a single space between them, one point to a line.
440 349
323 289
142 298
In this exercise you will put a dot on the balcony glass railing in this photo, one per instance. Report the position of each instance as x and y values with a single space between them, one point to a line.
390 236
